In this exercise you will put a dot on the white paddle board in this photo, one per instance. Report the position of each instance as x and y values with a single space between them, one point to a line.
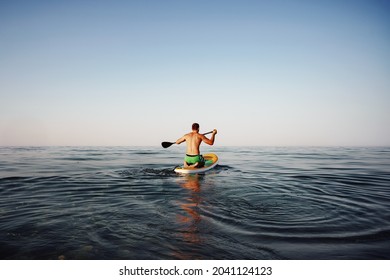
211 160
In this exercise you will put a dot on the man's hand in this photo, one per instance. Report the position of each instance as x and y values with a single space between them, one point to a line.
214 131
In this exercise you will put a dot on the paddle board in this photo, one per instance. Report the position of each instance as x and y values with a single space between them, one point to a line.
211 160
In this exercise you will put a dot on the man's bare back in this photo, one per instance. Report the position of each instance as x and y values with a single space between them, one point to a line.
193 140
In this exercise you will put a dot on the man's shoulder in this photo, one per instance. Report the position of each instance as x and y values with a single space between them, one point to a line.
193 134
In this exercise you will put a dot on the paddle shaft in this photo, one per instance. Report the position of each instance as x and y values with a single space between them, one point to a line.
208 132
168 144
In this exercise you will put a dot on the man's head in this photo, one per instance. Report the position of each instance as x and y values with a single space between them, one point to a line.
195 126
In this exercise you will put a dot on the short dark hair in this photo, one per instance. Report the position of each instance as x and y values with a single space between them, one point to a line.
195 126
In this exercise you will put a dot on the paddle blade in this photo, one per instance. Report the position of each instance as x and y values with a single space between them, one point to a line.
167 144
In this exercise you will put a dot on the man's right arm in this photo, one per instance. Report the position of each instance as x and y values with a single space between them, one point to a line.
211 140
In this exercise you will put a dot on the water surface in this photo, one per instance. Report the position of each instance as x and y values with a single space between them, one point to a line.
258 203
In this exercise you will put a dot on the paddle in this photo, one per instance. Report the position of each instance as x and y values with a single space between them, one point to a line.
168 144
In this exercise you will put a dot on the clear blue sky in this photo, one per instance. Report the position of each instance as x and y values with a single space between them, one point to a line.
141 72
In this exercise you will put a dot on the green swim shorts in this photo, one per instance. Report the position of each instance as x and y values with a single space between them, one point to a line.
192 159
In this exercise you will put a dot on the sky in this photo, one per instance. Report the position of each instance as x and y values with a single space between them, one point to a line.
136 73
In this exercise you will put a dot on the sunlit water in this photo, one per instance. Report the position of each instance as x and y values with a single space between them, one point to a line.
259 203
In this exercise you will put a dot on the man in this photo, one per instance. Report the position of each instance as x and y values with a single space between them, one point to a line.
193 157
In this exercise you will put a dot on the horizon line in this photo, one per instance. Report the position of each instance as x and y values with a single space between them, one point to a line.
221 146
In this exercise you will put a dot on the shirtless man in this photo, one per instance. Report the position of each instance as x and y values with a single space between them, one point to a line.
193 157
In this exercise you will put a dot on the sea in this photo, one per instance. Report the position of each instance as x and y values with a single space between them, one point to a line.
263 203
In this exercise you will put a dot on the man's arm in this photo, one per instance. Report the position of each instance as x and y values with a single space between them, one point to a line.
211 140
181 140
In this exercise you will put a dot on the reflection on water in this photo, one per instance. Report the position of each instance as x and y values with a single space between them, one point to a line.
188 221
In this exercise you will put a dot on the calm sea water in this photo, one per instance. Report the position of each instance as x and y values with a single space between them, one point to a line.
259 203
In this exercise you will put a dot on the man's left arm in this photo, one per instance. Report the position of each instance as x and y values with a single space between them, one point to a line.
180 140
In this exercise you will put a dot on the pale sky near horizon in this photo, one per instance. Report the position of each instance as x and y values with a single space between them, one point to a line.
272 73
